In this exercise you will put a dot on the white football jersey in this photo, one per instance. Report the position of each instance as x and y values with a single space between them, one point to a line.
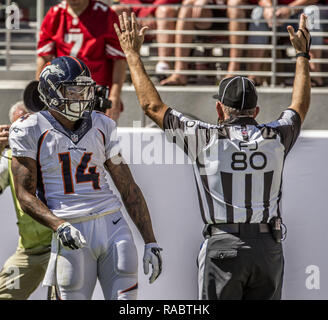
238 165
71 174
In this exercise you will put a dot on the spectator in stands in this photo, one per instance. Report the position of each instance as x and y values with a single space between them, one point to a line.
155 17
84 29
234 25
285 11
194 9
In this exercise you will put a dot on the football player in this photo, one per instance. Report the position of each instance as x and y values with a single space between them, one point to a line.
84 29
60 158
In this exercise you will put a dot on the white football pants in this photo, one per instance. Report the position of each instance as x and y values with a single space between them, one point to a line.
110 255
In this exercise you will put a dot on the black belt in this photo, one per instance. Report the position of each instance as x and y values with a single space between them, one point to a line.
235 227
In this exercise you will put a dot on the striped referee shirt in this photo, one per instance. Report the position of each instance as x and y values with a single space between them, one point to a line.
238 165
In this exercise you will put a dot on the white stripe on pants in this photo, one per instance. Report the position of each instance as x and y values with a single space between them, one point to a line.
201 268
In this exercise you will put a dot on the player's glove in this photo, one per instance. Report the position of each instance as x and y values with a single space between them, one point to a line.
70 237
152 255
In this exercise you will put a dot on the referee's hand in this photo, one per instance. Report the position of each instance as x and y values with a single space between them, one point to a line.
301 40
130 35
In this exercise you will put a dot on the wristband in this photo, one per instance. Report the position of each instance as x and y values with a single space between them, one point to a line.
303 54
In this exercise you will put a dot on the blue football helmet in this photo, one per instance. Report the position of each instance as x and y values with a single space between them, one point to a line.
66 86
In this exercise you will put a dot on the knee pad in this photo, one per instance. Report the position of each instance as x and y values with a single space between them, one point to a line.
126 257
70 270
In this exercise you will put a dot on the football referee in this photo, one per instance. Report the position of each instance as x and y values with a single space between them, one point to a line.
238 166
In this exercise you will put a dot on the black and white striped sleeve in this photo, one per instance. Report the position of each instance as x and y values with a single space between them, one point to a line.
182 130
289 126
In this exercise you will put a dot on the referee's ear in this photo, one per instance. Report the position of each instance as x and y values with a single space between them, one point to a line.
219 110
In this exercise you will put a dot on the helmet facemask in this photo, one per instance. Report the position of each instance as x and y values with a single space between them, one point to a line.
74 98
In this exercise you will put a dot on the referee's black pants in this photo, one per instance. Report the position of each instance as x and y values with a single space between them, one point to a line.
244 266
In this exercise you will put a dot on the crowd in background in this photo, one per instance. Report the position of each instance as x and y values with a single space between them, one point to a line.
199 14
229 15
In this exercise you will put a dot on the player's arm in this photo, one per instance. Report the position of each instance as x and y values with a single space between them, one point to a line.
119 74
40 63
24 171
137 209
46 44
115 54
302 83
132 197
131 40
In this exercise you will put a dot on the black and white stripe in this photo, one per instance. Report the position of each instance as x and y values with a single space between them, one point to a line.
243 182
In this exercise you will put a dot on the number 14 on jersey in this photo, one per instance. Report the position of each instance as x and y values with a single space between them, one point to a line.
81 176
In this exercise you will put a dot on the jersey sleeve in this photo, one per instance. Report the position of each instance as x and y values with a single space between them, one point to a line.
23 137
113 47
112 145
289 126
190 135
4 174
46 43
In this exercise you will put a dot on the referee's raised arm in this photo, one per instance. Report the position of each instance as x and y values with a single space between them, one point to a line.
301 41
131 37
